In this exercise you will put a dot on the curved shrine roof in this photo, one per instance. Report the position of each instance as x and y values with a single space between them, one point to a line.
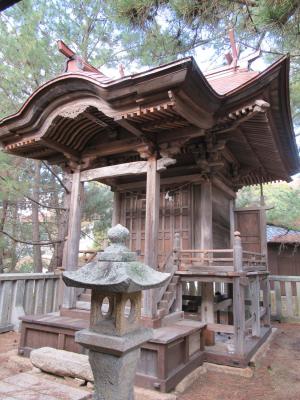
84 116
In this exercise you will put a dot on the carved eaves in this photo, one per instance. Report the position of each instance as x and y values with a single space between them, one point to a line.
235 118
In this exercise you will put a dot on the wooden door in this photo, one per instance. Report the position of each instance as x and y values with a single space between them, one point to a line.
175 217
250 222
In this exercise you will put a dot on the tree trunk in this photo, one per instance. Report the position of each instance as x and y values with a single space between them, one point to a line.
62 218
13 246
2 223
37 254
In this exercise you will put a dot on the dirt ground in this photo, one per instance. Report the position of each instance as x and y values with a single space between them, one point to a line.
10 363
276 374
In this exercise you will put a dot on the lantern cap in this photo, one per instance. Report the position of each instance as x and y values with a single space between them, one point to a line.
117 269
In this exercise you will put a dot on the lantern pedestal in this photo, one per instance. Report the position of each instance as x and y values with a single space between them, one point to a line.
113 360
115 336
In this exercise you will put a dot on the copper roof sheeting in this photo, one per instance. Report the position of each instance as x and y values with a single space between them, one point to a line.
231 79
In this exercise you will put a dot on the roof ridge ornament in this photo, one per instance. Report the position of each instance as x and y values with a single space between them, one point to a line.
75 62
233 57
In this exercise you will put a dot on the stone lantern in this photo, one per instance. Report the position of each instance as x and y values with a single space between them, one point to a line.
115 335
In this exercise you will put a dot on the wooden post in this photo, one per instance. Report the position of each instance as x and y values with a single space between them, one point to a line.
255 306
116 215
237 252
232 224
263 225
206 242
151 230
72 244
266 301
239 316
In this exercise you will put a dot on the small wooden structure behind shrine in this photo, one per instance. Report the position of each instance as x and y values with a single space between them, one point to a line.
174 145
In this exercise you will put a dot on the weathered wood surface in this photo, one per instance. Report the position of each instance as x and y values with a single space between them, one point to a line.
206 241
116 215
285 297
27 294
239 316
70 260
151 230
126 169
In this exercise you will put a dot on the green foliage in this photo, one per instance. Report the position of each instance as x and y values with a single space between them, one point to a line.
97 211
26 267
167 29
134 32
28 35
283 199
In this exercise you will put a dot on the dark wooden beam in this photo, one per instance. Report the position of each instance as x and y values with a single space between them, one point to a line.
111 148
61 148
190 111
195 178
126 169
94 119
129 127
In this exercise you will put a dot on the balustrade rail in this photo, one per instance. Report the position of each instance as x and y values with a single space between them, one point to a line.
285 297
27 294
221 260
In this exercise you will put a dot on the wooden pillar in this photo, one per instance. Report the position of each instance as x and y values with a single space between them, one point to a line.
206 242
116 215
266 301
255 306
151 230
72 244
237 252
239 316
232 222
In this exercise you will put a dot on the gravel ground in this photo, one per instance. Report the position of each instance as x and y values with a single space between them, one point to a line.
276 374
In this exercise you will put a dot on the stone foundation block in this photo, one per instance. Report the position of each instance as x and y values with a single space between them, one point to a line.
62 363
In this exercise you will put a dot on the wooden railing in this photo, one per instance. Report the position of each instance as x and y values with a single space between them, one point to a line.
206 259
254 261
222 260
285 297
31 293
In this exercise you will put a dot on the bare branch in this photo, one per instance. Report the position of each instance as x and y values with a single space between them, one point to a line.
32 243
56 176
34 201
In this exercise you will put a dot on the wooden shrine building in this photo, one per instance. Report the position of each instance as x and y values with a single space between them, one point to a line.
174 145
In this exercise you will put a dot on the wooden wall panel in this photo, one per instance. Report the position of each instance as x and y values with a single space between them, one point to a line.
175 217
221 219
248 223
